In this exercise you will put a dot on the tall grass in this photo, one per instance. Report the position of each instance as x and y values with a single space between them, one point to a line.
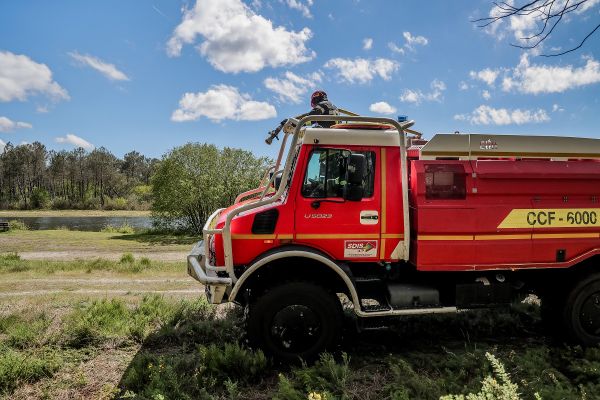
12 263
16 225
124 228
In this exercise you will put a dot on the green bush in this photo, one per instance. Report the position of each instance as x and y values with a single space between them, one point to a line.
112 321
60 203
192 376
124 228
127 258
18 367
118 203
40 198
10 257
22 332
499 387
17 225
326 378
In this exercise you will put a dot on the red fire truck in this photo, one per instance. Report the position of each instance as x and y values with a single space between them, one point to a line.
402 226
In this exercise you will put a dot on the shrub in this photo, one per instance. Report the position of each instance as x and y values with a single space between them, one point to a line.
17 225
111 320
124 228
17 367
23 332
118 203
499 387
59 203
40 198
326 379
127 258
192 376
145 261
10 257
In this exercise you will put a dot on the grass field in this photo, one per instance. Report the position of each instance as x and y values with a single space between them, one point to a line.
70 245
114 318
72 213
140 329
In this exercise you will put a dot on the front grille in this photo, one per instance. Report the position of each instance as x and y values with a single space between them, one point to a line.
265 222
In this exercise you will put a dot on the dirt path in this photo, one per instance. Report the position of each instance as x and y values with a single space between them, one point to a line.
106 286
72 255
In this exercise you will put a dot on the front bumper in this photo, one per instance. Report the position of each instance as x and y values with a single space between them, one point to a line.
216 286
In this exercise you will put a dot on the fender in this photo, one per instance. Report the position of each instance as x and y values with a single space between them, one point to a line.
296 252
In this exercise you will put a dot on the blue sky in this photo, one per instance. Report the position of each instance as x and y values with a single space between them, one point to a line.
151 75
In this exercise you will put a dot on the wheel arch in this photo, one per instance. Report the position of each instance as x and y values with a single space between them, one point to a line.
294 263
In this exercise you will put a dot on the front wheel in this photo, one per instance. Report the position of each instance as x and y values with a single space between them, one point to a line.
582 311
296 320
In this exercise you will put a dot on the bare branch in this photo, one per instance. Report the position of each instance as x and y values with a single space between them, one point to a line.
548 13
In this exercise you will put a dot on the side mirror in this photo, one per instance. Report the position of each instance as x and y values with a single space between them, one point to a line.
277 181
355 172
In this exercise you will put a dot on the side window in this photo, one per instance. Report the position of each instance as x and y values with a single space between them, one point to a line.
445 182
326 173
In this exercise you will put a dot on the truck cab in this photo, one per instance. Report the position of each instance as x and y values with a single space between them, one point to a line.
368 213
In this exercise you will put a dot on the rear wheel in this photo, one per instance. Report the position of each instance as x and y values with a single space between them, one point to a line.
581 313
294 321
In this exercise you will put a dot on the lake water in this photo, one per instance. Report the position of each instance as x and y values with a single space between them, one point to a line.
82 223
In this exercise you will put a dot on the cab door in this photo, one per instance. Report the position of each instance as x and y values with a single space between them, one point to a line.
326 218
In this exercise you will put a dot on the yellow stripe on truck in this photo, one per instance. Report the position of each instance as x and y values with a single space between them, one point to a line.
544 218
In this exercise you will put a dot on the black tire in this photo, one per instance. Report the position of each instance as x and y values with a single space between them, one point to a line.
295 321
581 313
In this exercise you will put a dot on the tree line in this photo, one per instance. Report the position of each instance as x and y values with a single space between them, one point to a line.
32 176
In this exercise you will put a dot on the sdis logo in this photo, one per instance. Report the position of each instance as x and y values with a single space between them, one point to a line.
360 248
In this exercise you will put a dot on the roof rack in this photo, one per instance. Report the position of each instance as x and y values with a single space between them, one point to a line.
476 146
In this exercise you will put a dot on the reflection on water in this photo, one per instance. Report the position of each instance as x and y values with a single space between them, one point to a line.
82 223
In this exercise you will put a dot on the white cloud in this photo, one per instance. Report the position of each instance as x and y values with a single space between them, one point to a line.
535 79
75 141
367 43
303 8
7 125
557 108
486 75
361 70
486 95
417 96
106 69
21 77
237 39
411 40
2 145
485 115
382 107
221 102
463 85
412 96
291 87
395 49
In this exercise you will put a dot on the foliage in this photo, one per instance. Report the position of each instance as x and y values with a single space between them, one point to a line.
194 180
124 228
499 388
325 379
127 258
33 177
112 321
18 367
40 198
17 225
